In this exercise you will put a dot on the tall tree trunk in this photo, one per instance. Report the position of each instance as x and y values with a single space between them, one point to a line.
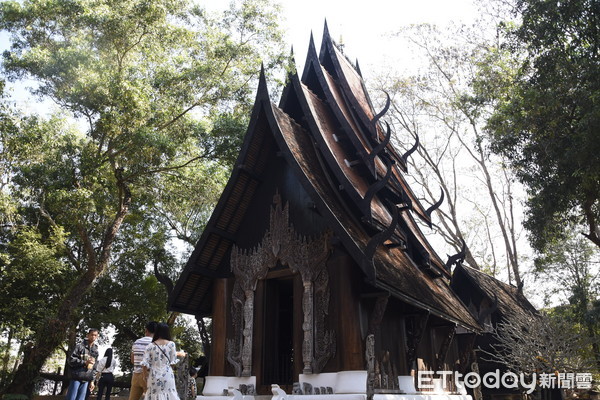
71 342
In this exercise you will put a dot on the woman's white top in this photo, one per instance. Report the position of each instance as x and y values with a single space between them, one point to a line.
101 366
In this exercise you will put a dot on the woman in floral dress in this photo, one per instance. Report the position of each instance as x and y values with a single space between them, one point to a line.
159 356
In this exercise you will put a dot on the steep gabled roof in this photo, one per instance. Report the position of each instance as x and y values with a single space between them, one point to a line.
322 124
391 269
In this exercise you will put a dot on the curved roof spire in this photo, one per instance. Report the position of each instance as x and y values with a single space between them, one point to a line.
310 56
311 43
262 91
291 63
325 30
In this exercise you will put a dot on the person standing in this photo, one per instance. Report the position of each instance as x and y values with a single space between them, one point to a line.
81 361
159 356
104 373
192 386
138 383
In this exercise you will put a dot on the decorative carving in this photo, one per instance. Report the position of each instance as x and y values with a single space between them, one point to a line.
477 395
376 118
309 257
374 189
458 258
385 373
248 267
435 206
370 357
415 328
380 147
387 378
444 348
307 328
234 345
305 255
411 150
377 314
384 235
280 236
324 339
377 381
297 389
384 378
247 332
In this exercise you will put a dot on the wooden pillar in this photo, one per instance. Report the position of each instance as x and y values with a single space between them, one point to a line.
259 337
298 319
221 296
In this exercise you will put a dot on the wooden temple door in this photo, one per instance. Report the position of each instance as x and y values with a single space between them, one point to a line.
278 337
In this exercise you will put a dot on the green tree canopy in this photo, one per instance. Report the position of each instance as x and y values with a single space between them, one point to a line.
547 119
158 90
570 272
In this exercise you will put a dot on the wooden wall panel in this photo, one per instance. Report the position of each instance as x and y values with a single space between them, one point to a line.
345 279
221 296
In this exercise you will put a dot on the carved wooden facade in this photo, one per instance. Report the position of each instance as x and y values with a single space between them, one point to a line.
282 244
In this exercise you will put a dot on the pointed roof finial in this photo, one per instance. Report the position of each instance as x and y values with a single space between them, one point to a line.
311 56
291 63
325 31
311 43
262 82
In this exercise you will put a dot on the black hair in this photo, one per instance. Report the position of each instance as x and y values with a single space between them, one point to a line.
108 355
151 326
93 330
193 371
162 332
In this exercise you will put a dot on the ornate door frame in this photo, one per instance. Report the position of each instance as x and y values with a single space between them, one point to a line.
308 256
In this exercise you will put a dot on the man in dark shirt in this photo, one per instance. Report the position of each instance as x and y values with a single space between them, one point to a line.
81 362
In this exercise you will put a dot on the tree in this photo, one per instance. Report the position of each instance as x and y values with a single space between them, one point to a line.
151 83
547 118
437 104
570 273
538 343
17 312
